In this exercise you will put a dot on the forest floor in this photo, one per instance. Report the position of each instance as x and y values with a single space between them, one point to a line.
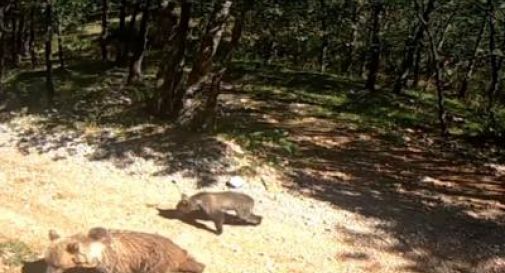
345 181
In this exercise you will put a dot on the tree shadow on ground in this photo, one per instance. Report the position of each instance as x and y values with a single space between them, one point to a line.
457 216
446 211
96 114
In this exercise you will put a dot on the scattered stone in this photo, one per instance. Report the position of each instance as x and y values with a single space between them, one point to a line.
427 179
236 182
497 169
492 265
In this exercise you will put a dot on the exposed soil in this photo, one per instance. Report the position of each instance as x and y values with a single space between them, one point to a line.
344 202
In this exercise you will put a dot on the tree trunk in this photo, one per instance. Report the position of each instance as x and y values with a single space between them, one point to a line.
494 85
411 46
19 37
25 48
437 67
130 37
348 63
14 48
210 42
167 20
417 66
31 45
121 32
209 113
3 22
2 50
168 98
61 57
375 45
3 37
138 55
323 57
195 101
104 33
48 51
468 72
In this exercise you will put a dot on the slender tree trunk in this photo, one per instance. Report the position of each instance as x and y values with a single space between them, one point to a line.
122 15
48 50
104 33
210 42
437 67
494 85
3 37
375 45
167 20
14 48
2 52
444 31
61 57
168 100
130 38
323 57
138 55
348 63
4 31
209 113
25 48
122 32
195 100
31 45
411 46
417 66
3 23
19 37
167 33
468 72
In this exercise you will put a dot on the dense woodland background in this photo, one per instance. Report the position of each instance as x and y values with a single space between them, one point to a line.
453 49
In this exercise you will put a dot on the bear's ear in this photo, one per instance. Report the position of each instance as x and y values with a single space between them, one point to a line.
53 235
99 234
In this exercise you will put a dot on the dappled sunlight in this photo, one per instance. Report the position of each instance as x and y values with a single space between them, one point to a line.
366 138
365 155
429 204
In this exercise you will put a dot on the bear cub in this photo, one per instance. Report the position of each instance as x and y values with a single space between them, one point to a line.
216 204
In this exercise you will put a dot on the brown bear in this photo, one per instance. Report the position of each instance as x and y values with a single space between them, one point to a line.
117 251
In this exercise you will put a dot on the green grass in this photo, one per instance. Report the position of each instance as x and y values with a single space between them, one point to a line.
345 102
333 97
341 98
271 142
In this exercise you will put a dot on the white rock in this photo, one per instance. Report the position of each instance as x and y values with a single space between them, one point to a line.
497 169
427 179
236 182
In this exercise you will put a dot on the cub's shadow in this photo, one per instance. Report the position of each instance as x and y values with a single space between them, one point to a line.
40 266
193 217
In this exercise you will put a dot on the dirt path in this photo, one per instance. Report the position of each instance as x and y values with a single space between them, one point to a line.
347 201
38 193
